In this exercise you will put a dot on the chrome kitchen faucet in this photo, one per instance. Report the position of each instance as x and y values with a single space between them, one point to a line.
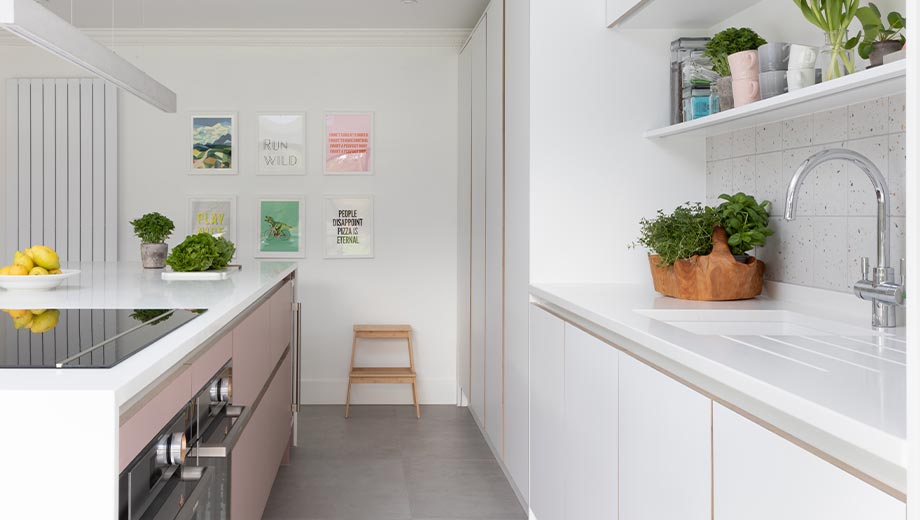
880 287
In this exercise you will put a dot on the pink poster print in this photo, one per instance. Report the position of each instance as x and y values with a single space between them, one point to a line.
349 142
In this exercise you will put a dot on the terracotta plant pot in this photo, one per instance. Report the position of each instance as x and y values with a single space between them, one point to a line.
714 277
882 49
153 256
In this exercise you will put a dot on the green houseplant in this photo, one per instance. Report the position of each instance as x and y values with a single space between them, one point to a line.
834 18
746 222
879 39
719 48
682 234
201 252
153 229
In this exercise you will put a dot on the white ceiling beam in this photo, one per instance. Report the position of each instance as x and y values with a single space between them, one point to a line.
29 20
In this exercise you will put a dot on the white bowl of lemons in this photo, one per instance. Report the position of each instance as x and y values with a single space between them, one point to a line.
37 268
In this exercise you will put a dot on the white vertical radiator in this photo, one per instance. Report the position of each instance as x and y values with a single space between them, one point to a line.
62 167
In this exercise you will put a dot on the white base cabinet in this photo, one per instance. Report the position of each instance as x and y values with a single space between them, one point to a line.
759 475
590 445
665 446
547 390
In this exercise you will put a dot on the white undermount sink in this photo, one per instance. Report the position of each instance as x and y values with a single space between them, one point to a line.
730 322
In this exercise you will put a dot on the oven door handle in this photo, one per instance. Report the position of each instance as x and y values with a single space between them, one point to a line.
190 508
223 449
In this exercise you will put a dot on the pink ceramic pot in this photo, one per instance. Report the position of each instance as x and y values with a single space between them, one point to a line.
745 91
744 65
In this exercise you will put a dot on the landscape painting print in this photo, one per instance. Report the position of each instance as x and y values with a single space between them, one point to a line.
214 144
281 223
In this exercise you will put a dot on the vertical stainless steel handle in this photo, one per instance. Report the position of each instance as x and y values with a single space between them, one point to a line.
297 360
864 265
904 273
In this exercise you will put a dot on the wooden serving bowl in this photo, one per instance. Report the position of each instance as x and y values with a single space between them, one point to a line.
714 277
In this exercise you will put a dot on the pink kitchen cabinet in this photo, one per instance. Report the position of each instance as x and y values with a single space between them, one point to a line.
252 355
280 321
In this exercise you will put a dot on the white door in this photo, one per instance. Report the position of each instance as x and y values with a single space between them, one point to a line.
590 443
547 388
495 218
665 446
758 475
464 218
477 48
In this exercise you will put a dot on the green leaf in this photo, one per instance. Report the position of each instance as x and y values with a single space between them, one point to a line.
896 21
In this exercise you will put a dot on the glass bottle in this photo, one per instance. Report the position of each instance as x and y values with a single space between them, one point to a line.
835 60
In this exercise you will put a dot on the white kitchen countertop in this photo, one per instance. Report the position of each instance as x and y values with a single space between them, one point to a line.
126 285
842 394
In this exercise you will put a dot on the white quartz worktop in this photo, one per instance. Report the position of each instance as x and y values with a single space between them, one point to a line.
126 285
844 394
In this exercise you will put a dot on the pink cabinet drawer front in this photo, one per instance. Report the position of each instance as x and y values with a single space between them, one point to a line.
140 428
252 360
262 445
217 355
281 320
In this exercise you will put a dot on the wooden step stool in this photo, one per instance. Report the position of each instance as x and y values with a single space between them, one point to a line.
386 375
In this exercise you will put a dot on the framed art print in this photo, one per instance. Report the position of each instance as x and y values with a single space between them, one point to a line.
215 215
213 144
348 143
282 143
282 224
349 226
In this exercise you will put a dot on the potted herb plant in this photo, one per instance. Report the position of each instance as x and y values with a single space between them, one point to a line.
880 40
746 223
690 256
740 43
153 229
834 18
201 252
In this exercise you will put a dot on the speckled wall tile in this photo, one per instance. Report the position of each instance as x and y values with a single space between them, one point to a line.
719 147
743 142
898 243
836 211
897 113
718 180
861 195
868 119
830 256
897 172
768 179
768 138
830 126
743 175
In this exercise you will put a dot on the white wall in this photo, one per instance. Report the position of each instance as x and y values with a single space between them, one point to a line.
593 176
413 91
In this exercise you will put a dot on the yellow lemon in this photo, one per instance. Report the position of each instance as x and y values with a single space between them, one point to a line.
18 270
23 261
46 257
38 271
19 313
28 252
45 321
5 270
21 319
55 271
37 311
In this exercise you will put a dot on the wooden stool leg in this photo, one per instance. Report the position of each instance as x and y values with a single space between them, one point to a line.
418 413
347 398
351 366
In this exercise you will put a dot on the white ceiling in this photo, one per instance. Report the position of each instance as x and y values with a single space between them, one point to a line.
267 14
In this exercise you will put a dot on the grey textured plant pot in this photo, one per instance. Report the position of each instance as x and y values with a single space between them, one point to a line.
153 256
882 49
726 97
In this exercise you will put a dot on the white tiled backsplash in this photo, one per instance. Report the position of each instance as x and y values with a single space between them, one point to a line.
835 218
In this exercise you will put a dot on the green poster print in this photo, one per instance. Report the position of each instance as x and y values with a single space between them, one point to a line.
279 226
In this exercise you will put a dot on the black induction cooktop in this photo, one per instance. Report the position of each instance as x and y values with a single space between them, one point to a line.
82 338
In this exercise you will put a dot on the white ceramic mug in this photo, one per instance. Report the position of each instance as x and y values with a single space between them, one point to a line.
800 78
802 57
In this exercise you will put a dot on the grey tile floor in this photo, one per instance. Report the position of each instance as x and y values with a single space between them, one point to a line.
384 464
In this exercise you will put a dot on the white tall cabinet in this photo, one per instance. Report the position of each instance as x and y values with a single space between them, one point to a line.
481 248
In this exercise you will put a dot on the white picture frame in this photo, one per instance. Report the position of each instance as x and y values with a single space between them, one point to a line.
334 222
221 211
336 122
210 124
281 141
273 244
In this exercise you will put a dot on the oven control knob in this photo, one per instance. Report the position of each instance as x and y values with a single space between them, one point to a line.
221 390
171 449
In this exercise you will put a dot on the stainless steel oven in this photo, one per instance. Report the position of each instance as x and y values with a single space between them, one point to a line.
159 484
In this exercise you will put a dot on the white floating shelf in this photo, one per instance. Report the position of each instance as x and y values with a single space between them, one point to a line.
884 80
679 14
